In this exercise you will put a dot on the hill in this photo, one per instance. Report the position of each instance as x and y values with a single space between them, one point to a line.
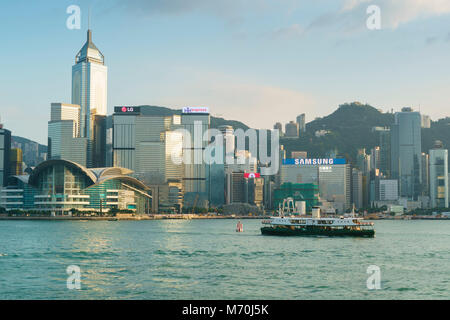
350 128
215 121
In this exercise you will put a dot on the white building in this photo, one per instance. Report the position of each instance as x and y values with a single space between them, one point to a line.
388 190
89 91
64 141
425 121
89 83
439 191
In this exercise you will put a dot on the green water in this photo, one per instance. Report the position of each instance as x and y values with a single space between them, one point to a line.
207 259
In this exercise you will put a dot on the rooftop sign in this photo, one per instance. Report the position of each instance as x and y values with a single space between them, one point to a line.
189 110
325 161
124 109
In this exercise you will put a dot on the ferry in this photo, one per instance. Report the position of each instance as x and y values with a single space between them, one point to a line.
342 226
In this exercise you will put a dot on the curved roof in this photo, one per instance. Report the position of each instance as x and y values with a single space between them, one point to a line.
96 176
102 172
121 177
23 178
43 165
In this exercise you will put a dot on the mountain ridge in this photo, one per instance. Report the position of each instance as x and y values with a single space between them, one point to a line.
350 127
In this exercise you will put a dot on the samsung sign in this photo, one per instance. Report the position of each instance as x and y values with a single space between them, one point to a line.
300 162
188 110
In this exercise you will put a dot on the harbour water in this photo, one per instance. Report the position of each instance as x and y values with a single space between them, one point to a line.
208 259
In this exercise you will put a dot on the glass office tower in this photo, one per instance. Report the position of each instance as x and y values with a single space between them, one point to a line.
439 176
406 153
196 121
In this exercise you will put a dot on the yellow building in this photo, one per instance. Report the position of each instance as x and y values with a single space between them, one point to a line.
15 160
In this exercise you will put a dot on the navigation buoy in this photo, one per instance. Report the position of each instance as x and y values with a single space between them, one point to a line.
239 227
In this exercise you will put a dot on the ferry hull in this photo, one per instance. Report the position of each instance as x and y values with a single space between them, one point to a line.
311 231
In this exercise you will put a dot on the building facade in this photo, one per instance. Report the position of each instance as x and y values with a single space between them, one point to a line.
406 152
308 192
301 120
145 143
89 91
5 149
291 130
333 176
195 121
64 140
439 191
61 186
16 162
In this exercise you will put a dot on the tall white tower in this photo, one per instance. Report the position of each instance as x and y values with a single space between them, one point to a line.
89 91
89 84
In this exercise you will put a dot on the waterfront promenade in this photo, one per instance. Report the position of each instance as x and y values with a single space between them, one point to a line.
130 217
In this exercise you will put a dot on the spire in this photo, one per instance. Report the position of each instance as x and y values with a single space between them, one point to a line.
89 51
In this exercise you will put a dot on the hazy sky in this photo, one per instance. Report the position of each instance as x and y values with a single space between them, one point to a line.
257 61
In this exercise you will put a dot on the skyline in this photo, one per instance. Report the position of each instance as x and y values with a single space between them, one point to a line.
295 57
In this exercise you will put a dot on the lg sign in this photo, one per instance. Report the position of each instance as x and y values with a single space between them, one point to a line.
127 109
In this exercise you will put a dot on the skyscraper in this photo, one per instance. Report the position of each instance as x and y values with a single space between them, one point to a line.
439 176
278 126
291 129
144 143
15 163
301 120
5 149
89 91
196 121
406 153
64 141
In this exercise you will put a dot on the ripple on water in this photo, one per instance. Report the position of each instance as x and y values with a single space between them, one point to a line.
179 260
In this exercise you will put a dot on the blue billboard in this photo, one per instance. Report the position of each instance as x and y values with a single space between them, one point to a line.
318 161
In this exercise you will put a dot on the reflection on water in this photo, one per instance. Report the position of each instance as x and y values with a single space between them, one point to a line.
207 259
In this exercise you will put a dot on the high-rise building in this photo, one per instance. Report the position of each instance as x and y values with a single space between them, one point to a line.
363 162
89 91
357 188
425 121
425 174
292 129
15 162
301 120
255 187
5 149
406 153
333 176
439 191
388 190
229 141
145 143
384 135
235 187
244 162
64 141
278 126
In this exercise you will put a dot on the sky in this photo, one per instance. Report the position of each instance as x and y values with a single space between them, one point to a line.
256 61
